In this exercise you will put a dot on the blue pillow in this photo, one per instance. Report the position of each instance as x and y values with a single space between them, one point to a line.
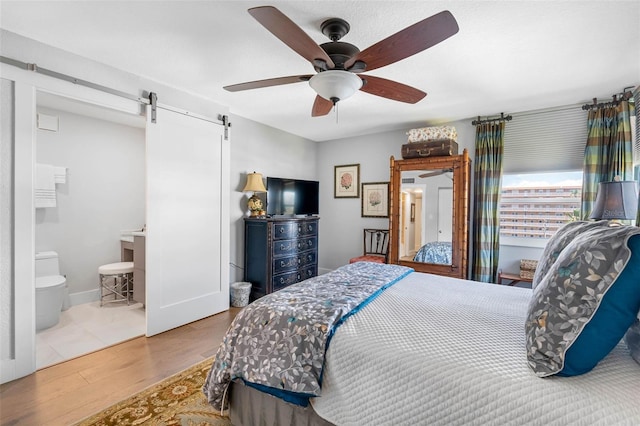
617 312
586 302
632 338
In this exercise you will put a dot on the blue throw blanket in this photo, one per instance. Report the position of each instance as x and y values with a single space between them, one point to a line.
277 344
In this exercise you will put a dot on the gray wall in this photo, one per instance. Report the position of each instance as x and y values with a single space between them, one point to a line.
272 152
103 195
341 224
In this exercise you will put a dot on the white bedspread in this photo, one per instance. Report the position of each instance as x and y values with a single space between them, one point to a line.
441 351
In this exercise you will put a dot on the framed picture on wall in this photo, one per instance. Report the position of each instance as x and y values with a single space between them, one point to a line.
413 212
346 181
375 199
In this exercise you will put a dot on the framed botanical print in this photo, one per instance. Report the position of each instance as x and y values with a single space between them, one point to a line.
346 181
375 199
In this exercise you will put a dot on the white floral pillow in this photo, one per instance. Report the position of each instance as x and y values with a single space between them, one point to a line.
436 133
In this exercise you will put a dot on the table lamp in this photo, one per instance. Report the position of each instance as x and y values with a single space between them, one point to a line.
254 184
617 200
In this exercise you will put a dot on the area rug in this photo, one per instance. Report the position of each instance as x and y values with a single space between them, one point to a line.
177 400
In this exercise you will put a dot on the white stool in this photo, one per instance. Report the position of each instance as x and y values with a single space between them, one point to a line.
116 279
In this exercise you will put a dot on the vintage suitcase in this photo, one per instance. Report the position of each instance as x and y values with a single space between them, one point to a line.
429 149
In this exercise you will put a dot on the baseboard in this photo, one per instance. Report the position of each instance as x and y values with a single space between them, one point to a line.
322 271
84 297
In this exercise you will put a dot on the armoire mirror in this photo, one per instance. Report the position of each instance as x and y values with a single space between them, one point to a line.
429 205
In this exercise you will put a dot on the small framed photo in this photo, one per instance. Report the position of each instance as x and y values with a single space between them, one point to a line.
413 212
375 199
347 181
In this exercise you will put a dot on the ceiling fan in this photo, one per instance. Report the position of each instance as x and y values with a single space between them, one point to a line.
435 173
337 64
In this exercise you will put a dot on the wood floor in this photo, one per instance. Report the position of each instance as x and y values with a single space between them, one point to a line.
70 391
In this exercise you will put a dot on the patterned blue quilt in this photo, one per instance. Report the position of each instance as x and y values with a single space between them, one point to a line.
434 252
277 343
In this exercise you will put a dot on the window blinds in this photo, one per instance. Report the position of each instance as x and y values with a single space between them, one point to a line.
545 140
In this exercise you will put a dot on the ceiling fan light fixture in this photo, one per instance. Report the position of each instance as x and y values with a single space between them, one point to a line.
335 85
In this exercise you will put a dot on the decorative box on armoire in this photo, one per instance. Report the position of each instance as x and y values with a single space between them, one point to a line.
279 252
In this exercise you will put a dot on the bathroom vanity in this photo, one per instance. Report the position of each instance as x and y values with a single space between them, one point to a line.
132 249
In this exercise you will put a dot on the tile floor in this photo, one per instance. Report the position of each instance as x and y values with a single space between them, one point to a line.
86 328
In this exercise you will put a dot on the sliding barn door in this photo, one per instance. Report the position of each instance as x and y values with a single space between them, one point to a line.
187 239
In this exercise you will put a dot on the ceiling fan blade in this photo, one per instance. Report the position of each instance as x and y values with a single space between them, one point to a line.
411 40
435 173
321 107
290 34
391 89
267 83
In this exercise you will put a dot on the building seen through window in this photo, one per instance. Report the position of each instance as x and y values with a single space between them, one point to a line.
536 205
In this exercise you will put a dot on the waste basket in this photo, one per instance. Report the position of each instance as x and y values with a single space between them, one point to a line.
240 292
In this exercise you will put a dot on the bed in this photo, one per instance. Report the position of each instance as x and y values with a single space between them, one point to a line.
434 252
427 349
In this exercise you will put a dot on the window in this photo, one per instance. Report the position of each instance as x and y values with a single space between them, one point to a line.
536 205
542 180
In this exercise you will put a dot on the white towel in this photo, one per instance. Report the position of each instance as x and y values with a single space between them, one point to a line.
45 186
60 174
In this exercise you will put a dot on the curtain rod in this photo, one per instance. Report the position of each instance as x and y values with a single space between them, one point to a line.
625 95
491 120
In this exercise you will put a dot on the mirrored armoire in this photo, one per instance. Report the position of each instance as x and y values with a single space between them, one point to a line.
429 214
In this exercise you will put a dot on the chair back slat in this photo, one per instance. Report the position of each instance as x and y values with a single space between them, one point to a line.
376 241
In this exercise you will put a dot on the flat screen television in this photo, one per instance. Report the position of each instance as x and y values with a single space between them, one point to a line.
292 196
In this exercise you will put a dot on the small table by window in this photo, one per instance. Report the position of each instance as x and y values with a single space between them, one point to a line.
514 278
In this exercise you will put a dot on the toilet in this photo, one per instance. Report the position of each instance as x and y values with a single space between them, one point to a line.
50 290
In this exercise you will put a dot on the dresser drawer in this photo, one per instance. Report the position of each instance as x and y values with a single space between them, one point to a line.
288 247
284 280
287 231
291 263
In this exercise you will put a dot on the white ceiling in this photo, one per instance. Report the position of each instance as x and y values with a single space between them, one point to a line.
508 56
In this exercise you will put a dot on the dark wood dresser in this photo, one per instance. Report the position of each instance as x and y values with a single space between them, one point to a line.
279 252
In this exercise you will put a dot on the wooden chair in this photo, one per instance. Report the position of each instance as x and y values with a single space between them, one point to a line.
376 246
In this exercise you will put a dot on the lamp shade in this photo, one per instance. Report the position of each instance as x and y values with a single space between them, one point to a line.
616 200
254 183
335 85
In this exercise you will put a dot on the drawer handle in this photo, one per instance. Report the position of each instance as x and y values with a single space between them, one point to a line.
285 247
289 262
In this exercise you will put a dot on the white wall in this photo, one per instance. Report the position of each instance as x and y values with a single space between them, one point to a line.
103 195
341 223
272 152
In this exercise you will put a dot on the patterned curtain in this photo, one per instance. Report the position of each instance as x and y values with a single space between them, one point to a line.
487 176
609 151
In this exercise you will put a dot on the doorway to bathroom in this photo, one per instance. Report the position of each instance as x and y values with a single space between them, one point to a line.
98 199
